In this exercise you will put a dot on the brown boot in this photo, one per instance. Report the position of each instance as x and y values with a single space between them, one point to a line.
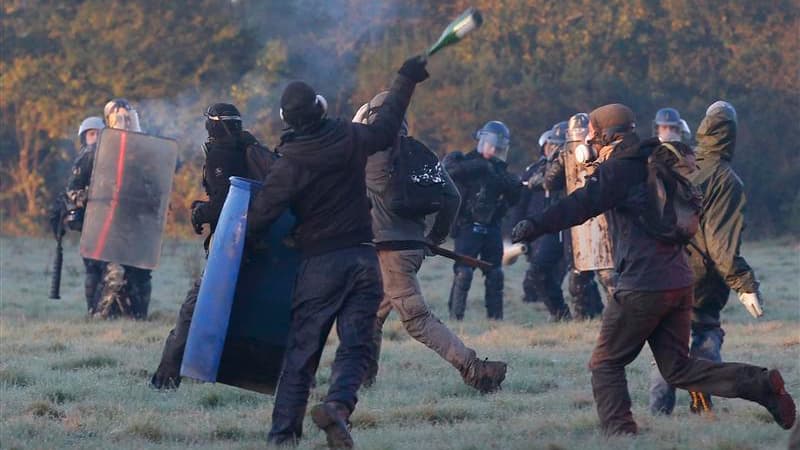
778 402
332 417
485 376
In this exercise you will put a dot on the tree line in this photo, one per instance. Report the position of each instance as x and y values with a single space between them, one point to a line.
532 64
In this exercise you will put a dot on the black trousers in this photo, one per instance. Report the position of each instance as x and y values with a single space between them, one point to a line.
544 275
485 242
172 356
342 286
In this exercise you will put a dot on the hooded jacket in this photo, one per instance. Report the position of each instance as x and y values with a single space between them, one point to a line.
617 188
722 221
240 155
321 177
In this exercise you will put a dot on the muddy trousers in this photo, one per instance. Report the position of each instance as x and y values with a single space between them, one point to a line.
485 242
402 293
662 319
706 345
172 356
342 286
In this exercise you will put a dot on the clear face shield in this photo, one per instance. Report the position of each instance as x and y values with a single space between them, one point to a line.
491 145
124 119
668 132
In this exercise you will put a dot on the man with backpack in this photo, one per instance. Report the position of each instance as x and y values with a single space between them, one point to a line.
229 151
714 251
487 191
404 185
638 185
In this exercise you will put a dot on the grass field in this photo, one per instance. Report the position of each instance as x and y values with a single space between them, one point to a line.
69 382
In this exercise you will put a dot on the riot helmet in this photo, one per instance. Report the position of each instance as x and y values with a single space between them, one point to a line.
577 127
494 139
667 125
686 132
90 123
559 135
119 114
222 119
544 139
368 112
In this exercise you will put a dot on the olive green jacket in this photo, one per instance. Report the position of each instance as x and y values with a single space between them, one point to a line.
722 221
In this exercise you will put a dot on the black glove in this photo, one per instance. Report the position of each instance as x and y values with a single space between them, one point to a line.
525 230
435 240
198 210
74 219
414 69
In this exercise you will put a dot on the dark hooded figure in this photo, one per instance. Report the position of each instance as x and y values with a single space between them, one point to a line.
654 292
229 151
321 178
714 252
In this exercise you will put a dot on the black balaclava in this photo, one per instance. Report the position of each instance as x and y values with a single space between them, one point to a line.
223 120
301 108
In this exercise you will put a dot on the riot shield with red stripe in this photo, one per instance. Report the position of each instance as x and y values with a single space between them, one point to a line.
128 198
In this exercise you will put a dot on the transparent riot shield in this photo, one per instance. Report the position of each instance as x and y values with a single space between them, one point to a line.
128 198
591 243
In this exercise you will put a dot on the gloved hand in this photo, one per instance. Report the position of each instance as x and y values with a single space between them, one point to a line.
414 69
198 207
752 302
525 230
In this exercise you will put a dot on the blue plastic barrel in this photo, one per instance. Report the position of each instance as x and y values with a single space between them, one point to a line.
206 339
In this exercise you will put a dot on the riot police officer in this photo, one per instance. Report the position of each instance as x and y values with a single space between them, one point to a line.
669 127
75 200
123 281
586 301
546 255
487 191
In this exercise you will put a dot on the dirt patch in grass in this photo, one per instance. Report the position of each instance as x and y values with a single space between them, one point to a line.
60 397
57 347
228 433
212 400
146 430
45 410
13 377
90 362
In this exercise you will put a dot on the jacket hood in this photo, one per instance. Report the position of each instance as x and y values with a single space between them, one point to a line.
321 149
628 147
716 136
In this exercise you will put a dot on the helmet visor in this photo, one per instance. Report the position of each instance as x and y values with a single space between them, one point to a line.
124 119
493 144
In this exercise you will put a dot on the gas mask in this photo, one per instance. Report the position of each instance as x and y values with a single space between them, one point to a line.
585 153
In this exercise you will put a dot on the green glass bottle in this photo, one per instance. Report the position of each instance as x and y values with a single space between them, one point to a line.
468 21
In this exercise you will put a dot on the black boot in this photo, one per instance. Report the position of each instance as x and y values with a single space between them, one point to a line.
332 418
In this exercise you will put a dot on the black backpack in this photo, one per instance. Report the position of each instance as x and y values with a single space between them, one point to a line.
674 204
416 180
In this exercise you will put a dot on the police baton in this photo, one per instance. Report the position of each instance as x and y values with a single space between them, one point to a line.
457 257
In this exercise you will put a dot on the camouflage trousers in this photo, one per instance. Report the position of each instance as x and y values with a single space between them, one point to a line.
124 291
402 293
